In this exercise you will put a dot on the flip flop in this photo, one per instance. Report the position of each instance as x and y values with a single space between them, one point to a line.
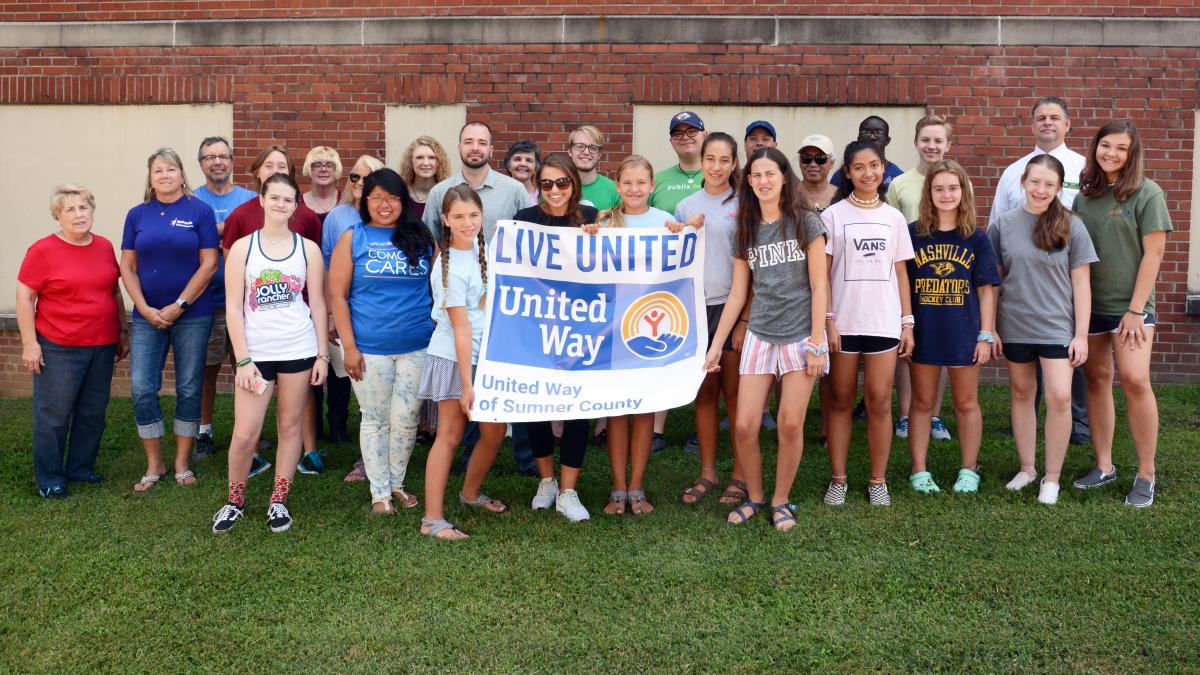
148 481
359 472
616 499
637 498
436 527
406 499
483 501
185 477
698 491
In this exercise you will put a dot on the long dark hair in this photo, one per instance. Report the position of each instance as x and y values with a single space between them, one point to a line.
750 212
461 193
562 162
847 185
1053 227
410 236
1093 181
735 176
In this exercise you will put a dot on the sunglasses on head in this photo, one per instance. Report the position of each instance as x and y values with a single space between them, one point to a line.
354 177
819 160
560 183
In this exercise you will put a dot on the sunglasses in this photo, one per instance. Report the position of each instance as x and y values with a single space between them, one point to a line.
560 183
819 160
354 177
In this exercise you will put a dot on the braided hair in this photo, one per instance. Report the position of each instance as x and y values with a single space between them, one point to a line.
461 193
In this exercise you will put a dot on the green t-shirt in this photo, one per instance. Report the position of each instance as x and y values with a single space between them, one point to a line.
602 193
672 185
904 193
1116 230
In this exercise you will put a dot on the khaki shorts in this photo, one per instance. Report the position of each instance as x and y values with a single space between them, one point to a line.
219 347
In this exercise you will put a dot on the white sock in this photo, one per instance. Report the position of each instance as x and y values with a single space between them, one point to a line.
206 429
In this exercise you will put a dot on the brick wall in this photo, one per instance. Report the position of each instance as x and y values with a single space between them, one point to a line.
276 9
307 95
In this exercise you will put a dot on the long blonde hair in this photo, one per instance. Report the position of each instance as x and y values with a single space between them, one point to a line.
615 217
461 193
170 157
409 174
927 220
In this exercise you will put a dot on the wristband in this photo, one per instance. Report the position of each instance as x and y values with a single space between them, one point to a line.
1136 313
245 362
985 336
740 320
908 320
323 357
830 316
816 350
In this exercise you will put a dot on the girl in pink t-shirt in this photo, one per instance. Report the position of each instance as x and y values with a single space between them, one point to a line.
867 246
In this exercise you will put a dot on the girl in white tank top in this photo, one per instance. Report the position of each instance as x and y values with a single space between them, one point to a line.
278 344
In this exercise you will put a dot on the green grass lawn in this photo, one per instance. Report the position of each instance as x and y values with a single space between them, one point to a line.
115 581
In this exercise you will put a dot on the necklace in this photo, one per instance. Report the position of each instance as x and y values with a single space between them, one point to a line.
864 203
279 239
163 208
691 175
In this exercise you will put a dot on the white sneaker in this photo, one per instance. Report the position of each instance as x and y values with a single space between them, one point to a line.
546 493
1048 494
1020 480
568 505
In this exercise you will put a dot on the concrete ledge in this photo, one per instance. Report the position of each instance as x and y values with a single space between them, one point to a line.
561 29
906 30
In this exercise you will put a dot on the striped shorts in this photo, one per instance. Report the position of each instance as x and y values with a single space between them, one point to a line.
764 358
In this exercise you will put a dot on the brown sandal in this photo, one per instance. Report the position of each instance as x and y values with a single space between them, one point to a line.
698 491
735 493
406 499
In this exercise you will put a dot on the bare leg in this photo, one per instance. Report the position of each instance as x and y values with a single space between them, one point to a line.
793 405
639 453
249 409
618 450
490 437
753 391
1102 412
451 423
965 391
1134 366
904 389
879 373
1023 386
1056 382
924 380
843 386
292 390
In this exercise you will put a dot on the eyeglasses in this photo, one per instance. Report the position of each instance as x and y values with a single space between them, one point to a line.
560 183
354 177
865 134
819 160
210 158
323 165
393 200
686 133
584 147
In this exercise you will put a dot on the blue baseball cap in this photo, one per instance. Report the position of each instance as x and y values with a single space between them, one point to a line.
765 125
686 117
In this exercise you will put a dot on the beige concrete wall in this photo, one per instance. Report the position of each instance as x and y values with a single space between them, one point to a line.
103 148
403 123
792 123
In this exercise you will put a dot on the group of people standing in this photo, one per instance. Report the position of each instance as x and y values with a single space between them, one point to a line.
805 277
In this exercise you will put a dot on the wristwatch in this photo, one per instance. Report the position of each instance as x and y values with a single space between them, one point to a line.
183 304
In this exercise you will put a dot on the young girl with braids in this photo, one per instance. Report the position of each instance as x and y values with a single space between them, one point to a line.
1043 253
559 190
459 285
635 183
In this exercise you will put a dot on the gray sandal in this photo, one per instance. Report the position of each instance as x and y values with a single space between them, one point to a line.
636 497
438 526
482 501
618 497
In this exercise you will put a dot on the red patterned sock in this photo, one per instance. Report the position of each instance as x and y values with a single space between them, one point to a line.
282 487
237 493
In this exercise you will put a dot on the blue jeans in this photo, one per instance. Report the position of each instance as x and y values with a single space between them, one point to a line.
188 340
70 394
522 453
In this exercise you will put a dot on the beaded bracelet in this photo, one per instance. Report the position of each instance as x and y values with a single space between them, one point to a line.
816 350
985 336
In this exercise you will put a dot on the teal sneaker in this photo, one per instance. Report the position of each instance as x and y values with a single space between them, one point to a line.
311 463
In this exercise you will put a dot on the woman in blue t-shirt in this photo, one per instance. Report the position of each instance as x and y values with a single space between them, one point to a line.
379 294
168 257
953 301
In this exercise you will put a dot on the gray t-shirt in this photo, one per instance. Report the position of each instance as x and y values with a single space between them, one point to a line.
720 222
1037 301
782 309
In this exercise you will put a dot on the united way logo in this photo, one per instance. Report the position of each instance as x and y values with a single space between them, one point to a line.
655 325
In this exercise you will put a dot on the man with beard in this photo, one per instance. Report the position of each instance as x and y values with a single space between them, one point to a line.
502 196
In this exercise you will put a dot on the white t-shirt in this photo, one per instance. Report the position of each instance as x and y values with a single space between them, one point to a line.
866 244
651 218
1009 194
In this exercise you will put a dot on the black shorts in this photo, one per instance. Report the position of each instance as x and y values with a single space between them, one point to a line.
1023 352
867 344
1100 324
268 369
714 318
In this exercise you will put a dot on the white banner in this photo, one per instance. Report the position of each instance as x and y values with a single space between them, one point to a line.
583 326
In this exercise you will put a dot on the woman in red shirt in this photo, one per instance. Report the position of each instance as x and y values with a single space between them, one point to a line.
72 321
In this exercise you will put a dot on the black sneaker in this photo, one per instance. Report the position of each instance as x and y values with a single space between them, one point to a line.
258 465
278 518
54 492
658 444
225 518
204 446
311 463
1078 438
1095 478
